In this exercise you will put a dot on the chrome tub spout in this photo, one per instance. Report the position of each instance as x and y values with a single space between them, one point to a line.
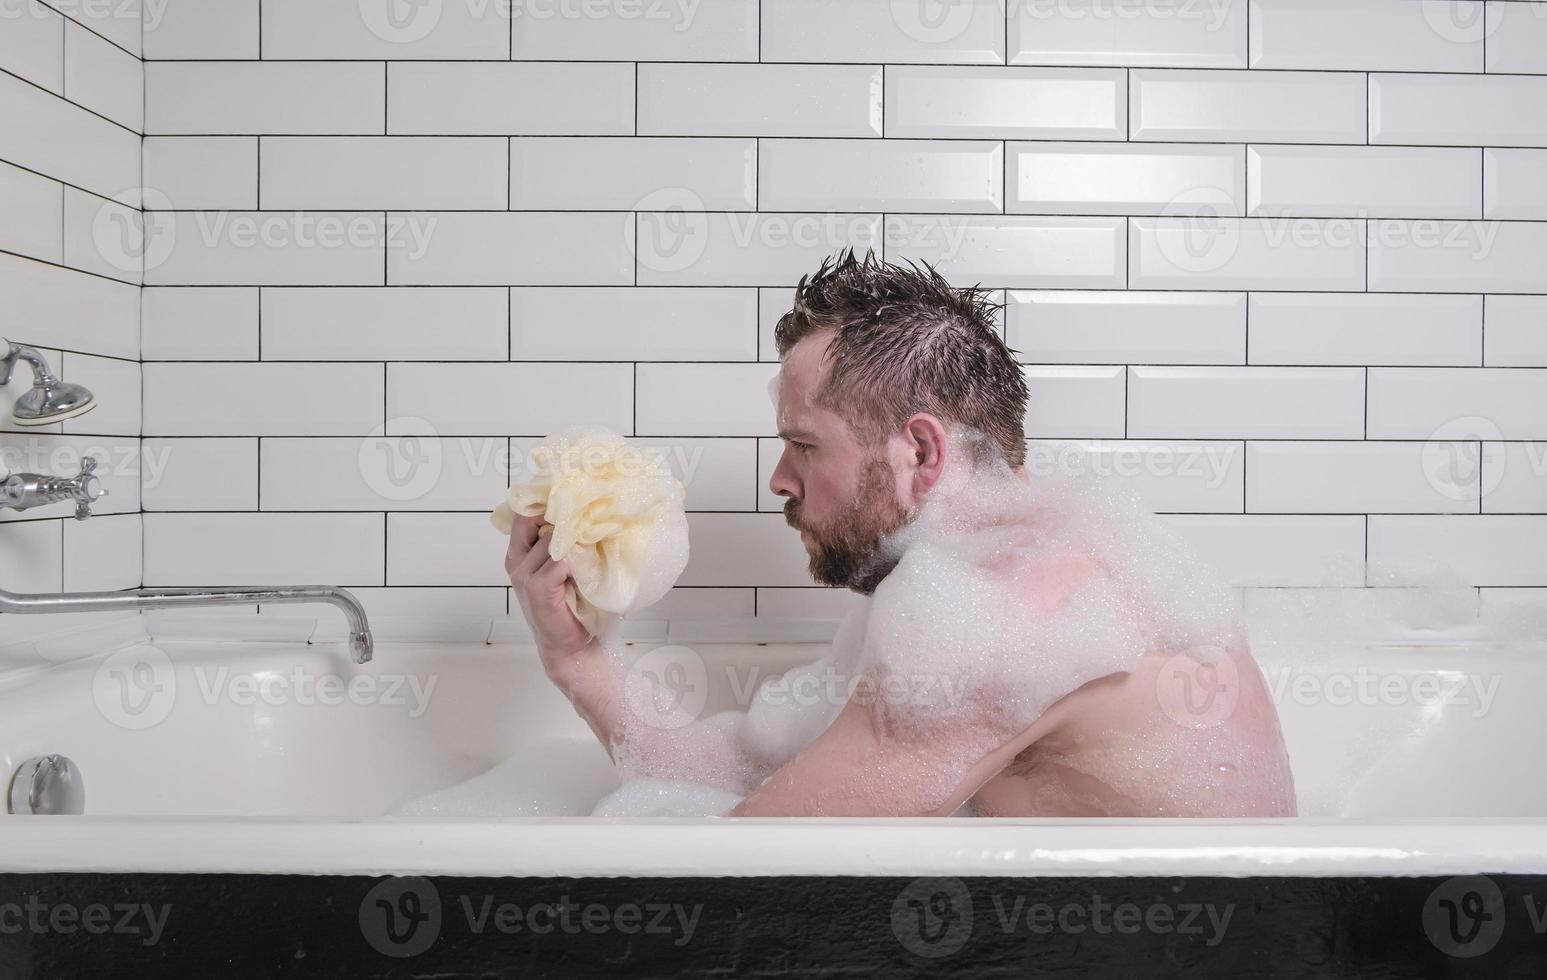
360 644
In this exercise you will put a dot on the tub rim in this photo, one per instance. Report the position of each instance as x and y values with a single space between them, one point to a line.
771 847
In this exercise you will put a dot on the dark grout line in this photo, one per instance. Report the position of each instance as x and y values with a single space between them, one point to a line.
56 95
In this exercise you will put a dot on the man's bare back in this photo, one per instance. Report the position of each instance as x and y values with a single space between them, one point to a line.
1145 744
1184 733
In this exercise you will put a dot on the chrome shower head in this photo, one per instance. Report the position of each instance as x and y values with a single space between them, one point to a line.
50 399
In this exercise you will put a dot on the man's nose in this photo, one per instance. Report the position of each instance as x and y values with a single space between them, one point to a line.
783 482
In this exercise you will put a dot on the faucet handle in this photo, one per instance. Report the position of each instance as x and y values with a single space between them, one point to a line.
86 488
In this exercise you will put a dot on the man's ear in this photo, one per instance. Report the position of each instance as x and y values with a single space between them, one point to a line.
924 441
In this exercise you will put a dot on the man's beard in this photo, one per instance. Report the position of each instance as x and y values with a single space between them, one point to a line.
847 548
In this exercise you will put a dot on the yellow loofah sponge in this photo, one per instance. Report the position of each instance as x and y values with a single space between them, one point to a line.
617 517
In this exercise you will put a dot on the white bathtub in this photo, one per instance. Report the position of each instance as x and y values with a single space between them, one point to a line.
205 756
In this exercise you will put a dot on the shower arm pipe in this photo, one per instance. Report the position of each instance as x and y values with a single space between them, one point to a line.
361 645
12 352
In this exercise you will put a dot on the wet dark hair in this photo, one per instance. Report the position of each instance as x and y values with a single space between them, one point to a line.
906 341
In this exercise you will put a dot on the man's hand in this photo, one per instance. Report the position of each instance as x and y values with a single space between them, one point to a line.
538 581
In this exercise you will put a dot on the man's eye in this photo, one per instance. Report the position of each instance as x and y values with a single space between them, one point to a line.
802 446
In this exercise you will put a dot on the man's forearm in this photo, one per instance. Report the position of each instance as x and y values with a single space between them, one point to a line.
589 679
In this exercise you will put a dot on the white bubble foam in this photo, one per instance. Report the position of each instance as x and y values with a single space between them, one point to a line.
644 797
1014 590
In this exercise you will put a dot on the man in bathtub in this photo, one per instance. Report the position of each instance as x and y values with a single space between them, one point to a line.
1006 661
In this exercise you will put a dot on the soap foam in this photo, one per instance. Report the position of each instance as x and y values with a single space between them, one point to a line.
645 797
730 752
1013 590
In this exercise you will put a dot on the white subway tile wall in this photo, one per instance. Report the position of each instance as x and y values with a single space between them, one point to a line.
71 236
1281 263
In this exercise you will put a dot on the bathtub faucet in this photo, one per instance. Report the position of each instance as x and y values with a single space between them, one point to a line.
360 643
23 491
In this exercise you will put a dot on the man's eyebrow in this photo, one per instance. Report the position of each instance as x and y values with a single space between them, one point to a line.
794 434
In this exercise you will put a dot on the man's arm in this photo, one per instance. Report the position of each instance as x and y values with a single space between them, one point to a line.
857 769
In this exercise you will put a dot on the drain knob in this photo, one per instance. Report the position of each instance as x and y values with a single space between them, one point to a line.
48 784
